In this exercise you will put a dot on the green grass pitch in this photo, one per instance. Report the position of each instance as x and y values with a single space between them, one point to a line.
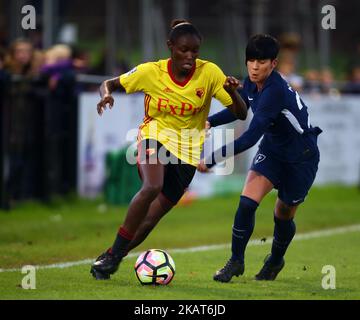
73 230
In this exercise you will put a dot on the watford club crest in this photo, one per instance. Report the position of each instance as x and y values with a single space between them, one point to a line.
199 92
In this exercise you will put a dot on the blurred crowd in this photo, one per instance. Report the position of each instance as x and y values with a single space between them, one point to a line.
38 100
22 58
315 81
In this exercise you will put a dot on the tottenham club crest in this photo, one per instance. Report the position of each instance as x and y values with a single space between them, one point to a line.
259 158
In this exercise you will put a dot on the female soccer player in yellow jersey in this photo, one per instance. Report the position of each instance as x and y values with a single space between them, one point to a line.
178 93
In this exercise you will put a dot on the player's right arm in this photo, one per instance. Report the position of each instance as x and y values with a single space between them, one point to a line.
135 80
106 90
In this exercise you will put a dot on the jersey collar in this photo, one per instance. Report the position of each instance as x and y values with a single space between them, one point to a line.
273 75
180 83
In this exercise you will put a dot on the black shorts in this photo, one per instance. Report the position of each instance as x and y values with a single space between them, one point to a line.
177 176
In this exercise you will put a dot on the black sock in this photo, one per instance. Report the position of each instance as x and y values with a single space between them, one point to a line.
122 240
243 227
284 232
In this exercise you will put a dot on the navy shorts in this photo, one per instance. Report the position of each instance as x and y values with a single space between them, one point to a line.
177 176
292 180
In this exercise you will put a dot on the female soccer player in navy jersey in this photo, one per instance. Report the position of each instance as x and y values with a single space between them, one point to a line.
287 158
178 93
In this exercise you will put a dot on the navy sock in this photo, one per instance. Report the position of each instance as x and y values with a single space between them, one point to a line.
284 232
243 227
122 240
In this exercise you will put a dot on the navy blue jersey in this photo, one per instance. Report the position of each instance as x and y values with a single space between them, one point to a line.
280 116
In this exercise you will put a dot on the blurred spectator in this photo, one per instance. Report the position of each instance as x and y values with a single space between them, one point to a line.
328 83
353 84
312 81
57 61
81 60
287 70
22 59
59 73
59 115
23 111
290 45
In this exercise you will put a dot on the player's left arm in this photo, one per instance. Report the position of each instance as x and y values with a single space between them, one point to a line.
238 108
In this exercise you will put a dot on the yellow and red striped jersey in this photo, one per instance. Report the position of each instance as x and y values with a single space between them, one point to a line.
175 112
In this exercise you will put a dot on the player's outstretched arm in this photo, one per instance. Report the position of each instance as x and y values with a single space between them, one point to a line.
258 125
222 117
106 90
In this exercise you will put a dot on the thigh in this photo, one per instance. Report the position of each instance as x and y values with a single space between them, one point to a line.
267 166
151 170
264 175
152 174
283 211
147 151
297 180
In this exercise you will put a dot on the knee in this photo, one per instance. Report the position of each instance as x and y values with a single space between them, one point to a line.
151 191
284 211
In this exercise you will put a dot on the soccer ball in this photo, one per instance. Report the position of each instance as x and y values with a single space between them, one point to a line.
155 267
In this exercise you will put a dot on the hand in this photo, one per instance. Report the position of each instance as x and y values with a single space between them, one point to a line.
231 84
101 106
202 167
207 129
